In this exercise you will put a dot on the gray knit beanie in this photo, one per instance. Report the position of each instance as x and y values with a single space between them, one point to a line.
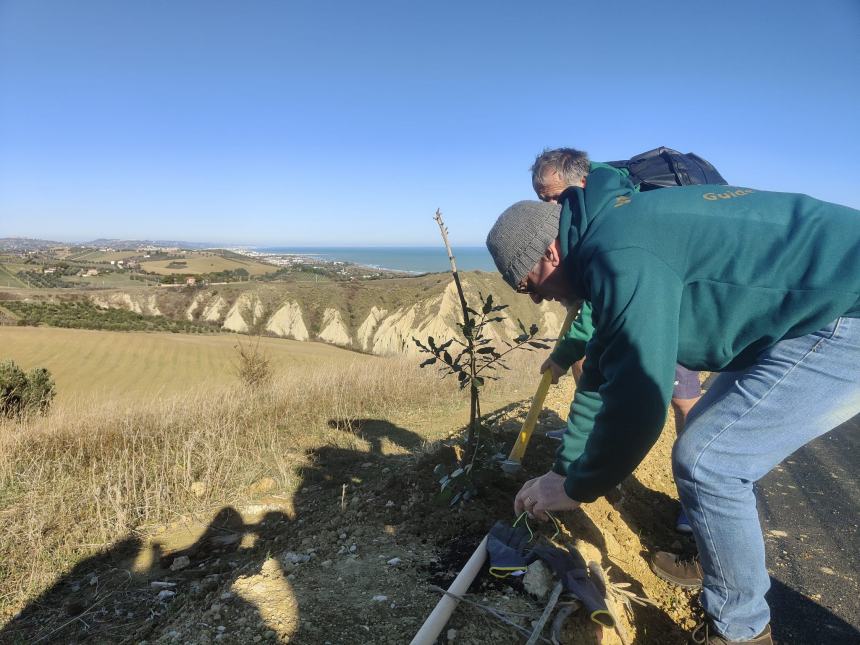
521 236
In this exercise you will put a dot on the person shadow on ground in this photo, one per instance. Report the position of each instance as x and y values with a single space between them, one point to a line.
236 577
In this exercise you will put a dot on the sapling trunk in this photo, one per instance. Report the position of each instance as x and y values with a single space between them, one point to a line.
474 405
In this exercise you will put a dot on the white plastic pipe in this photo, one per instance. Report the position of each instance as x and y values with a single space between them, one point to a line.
438 618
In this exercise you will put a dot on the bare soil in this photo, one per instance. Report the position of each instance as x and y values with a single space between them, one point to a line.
352 555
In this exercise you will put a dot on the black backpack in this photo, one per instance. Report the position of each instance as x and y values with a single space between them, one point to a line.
664 167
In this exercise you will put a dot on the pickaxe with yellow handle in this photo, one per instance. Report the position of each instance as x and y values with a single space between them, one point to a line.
514 461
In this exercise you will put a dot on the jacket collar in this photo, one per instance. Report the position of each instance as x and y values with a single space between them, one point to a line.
581 207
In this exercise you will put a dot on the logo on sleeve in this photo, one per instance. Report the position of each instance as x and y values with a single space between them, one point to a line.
621 201
740 192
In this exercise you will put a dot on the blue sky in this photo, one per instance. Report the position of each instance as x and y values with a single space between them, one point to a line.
281 122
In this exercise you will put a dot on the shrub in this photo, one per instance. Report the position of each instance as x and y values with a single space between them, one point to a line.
254 367
40 391
21 394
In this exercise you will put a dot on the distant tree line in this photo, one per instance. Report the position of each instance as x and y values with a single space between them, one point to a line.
85 315
294 269
228 275
39 278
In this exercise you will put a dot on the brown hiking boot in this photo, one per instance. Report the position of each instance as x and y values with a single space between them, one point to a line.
705 634
684 572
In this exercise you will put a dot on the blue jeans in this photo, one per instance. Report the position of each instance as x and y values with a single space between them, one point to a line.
744 425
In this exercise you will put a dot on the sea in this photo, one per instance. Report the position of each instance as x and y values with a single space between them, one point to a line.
411 259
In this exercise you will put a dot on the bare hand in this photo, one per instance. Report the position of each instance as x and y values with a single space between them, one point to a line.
576 370
557 370
541 494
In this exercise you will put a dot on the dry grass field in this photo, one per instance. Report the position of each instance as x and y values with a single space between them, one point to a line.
136 366
156 449
101 469
204 262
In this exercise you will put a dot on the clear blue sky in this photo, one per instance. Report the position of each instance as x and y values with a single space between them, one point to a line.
281 122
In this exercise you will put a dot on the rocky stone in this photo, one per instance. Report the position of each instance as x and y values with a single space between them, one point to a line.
353 548
294 558
451 635
538 580
263 486
180 563
379 598
210 583
588 551
165 594
394 562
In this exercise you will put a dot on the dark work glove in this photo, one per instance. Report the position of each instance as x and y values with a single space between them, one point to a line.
573 573
506 547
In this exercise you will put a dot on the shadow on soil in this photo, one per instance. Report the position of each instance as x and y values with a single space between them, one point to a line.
111 597
388 503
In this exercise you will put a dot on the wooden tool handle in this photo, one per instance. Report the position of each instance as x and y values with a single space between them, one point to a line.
525 435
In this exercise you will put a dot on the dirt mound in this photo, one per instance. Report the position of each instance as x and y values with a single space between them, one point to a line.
351 556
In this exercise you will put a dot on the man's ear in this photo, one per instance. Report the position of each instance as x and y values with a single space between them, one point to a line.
553 253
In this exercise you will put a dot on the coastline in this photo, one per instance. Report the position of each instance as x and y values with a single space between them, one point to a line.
399 260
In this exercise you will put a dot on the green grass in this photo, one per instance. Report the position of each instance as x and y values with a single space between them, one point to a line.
9 279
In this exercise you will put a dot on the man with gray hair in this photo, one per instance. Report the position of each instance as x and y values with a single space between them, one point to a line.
762 287
553 172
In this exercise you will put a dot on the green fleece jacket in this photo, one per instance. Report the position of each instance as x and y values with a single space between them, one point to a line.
571 346
705 276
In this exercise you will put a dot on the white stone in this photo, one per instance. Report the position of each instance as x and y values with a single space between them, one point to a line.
538 580
180 563
295 558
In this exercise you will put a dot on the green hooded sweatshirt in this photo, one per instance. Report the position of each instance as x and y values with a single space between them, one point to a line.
571 347
705 276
